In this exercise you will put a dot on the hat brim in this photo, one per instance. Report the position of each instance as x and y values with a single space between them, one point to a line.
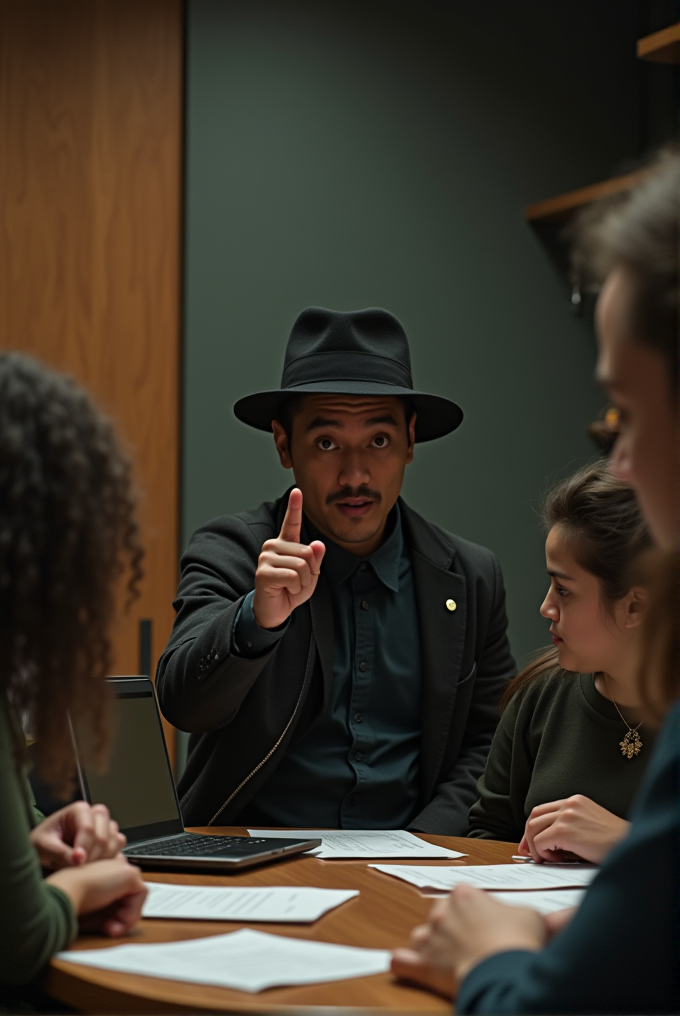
436 416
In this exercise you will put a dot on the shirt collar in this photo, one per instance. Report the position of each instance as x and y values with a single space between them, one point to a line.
339 565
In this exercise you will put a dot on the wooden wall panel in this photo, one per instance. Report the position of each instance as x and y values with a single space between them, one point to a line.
90 235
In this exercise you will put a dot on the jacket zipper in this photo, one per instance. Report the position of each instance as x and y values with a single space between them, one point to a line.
271 751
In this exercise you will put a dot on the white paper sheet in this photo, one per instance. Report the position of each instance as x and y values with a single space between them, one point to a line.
493 876
545 901
218 903
338 844
247 960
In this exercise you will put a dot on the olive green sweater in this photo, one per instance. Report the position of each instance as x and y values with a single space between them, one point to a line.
37 919
557 737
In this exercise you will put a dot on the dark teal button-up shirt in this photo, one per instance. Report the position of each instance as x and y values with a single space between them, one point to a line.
359 766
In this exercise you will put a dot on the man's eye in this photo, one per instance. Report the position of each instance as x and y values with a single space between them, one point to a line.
380 441
562 591
326 445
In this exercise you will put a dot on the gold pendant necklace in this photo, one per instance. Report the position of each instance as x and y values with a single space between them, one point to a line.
632 743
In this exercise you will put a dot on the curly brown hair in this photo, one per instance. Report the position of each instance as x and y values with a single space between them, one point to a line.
68 534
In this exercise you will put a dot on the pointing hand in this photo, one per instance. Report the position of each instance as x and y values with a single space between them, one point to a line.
287 570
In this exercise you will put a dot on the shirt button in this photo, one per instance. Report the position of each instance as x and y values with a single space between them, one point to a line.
362 567
359 756
363 666
249 645
364 604
358 717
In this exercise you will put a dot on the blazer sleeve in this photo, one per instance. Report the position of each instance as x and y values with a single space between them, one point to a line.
37 918
447 812
620 951
201 681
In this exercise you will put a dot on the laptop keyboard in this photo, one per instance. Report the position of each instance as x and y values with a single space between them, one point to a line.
193 845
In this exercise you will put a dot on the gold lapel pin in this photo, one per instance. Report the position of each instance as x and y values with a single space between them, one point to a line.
451 604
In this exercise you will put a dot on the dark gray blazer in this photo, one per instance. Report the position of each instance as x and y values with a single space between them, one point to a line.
244 714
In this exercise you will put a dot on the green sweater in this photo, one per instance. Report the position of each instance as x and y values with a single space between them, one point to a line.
37 919
557 737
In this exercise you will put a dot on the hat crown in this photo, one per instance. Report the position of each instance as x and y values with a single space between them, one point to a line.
358 353
373 331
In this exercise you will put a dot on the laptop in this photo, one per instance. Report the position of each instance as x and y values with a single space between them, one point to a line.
139 790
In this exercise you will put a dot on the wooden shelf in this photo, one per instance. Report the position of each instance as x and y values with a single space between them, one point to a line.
559 209
663 46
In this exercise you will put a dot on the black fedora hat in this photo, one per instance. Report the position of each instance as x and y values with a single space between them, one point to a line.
363 352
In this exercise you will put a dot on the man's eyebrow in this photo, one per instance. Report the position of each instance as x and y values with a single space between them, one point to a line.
386 418
560 575
319 421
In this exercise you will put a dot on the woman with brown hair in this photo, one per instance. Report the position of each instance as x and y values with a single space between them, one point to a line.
572 747
67 536
619 951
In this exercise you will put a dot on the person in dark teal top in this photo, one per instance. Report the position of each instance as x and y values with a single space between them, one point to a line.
618 953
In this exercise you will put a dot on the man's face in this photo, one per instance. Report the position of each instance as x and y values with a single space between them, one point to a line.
348 454
636 379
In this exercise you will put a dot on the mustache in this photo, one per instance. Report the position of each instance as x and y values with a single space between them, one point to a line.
362 491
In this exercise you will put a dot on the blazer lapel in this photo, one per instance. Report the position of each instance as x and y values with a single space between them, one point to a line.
442 638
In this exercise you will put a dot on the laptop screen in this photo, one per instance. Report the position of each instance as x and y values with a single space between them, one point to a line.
137 786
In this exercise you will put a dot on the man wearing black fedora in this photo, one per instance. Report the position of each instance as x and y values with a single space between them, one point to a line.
337 659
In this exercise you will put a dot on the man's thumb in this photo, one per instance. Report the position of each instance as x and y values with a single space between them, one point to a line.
318 550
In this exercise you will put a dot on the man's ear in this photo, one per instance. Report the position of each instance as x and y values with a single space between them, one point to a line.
635 607
411 437
281 442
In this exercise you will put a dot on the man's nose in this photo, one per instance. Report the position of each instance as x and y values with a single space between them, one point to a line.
353 470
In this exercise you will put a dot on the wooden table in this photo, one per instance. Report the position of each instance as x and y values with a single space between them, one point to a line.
381 917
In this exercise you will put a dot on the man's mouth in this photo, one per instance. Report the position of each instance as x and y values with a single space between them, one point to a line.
354 507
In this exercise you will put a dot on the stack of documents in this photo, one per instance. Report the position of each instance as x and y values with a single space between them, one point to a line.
493 876
349 844
217 903
246 960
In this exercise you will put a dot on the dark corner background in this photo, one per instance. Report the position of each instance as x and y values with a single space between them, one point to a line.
354 154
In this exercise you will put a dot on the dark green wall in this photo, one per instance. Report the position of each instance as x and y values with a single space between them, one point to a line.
367 154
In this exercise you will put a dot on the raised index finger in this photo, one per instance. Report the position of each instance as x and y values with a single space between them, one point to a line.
290 530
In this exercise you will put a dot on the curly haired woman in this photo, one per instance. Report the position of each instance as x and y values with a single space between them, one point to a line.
67 537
